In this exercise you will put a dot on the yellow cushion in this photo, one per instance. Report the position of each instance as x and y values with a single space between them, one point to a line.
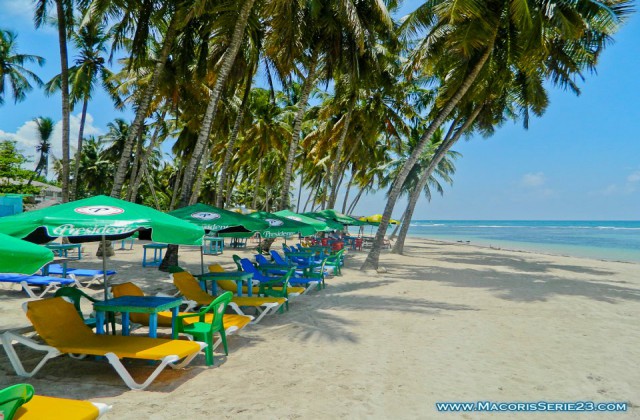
51 408
59 325
190 288
130 289
228 320
216 268
231 286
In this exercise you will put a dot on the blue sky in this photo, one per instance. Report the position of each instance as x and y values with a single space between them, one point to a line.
581 160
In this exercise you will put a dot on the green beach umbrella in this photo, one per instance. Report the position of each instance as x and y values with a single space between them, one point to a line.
340 218
99 218
332 224
22 257
92 218
318 225
215 219
281 226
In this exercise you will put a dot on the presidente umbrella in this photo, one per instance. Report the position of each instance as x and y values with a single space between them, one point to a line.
99 218
220 221
318 225
332 224
216 220
280 226
21 257
340 218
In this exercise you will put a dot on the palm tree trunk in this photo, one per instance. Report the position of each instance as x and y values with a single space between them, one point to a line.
143 107
145 171
176 188
135 166
133 188
395 230
355 201
440 153
73 190
336 173
299 193
374 255
212 107
309 82
256 182
64 89
232 141
232 184
346 194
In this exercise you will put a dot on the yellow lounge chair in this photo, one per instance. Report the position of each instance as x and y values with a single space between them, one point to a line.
189 287
231 322
18 402
232 287
58 324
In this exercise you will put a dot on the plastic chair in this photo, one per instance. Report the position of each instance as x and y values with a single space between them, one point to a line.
13 397
76 296
203 331
336 262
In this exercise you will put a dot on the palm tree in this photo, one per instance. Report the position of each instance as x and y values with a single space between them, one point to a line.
45 128
463 36
90 40
212 107
64 14
416 183
12 70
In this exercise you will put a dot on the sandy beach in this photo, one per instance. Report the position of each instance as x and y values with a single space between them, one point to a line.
445 322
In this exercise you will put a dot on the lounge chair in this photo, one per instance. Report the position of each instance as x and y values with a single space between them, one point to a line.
37 286
231 322
190 288
307 282
18 402
76 295
232 287
57 322
84 275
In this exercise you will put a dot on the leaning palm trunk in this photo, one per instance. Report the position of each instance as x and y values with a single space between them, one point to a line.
73 190
135 166
346 194
212 107
144 160
440 153
256 182
395 230
309 82
374 255
64 88
232 141
143 108
336 173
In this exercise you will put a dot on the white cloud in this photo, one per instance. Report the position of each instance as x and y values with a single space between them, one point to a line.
27 138
533 180
18 8
634 177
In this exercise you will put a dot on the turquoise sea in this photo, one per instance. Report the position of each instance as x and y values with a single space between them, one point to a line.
606 240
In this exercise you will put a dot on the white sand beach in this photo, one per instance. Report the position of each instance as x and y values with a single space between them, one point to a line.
446 322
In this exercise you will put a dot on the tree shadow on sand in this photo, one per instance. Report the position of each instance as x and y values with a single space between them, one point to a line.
523 287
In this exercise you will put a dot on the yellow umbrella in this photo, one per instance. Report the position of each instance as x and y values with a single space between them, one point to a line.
376 219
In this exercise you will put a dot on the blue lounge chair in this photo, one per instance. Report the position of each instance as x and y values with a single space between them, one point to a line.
81 274
308 283
275 268
43 283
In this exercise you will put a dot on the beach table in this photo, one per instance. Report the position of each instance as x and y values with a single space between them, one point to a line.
123 243
237 276
140 304
62 250
57 260
213 245
157 254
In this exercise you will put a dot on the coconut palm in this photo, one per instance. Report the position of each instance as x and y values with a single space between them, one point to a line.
13 73
64 17
91 42
45 129
557 39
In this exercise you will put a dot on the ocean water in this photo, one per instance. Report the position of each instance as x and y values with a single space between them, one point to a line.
605 240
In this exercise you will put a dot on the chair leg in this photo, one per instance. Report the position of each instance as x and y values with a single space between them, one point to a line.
223 337
208 351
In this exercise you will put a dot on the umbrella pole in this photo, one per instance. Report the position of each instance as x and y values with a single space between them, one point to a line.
201 261
104 270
